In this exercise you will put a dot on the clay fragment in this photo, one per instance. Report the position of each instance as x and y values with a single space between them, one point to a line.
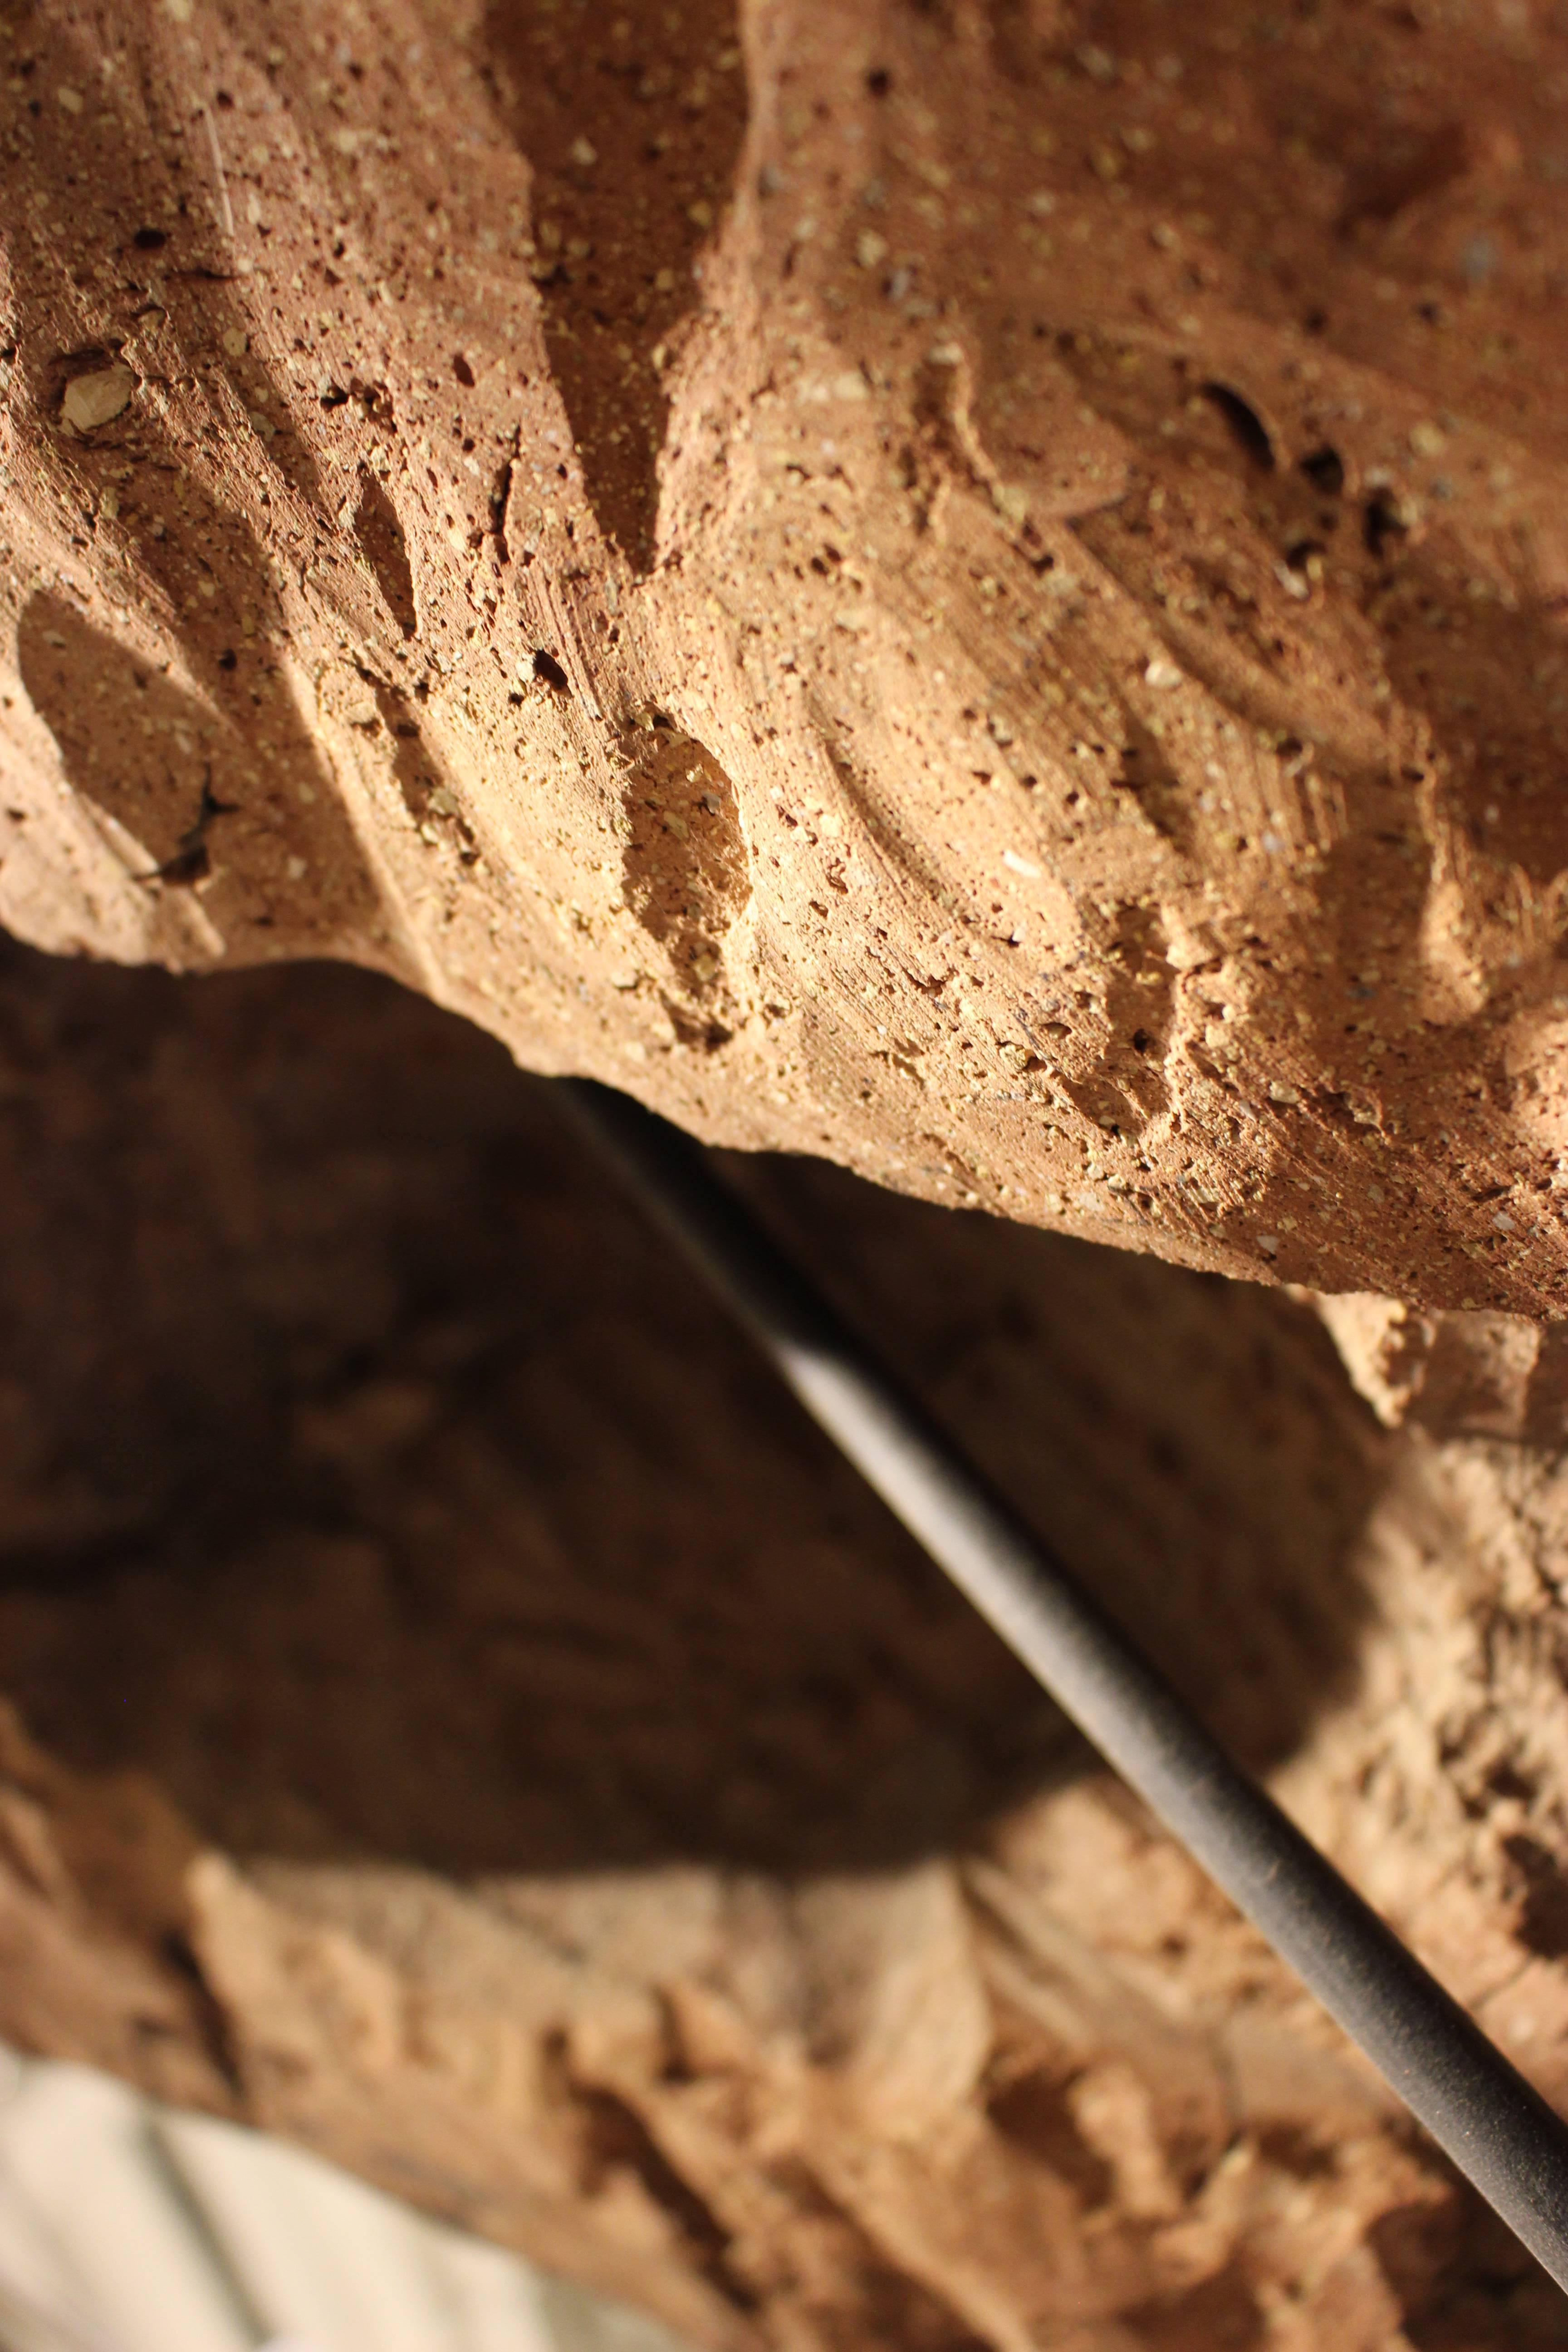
97 399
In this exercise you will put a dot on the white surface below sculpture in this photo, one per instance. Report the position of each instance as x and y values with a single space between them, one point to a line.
125 2228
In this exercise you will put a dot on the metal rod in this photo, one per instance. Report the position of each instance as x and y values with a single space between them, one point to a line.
1480 2110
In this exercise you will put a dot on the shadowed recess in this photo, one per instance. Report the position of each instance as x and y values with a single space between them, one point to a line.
135 745
218 791
380 536
632 120
383 1489
685 859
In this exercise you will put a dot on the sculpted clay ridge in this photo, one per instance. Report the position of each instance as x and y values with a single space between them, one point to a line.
975 589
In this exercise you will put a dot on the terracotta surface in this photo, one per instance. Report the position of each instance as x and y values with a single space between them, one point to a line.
974 591
475 1727
978 590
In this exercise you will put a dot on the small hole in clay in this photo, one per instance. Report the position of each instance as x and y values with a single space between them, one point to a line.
1383 521
149 240
1243 420
1324 469
547 668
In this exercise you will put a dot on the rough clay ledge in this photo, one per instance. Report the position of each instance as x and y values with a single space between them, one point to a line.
976 588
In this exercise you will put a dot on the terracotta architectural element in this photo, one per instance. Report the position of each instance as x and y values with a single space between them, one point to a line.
974 588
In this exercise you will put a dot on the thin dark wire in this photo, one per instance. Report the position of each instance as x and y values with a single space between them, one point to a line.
1496 2127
